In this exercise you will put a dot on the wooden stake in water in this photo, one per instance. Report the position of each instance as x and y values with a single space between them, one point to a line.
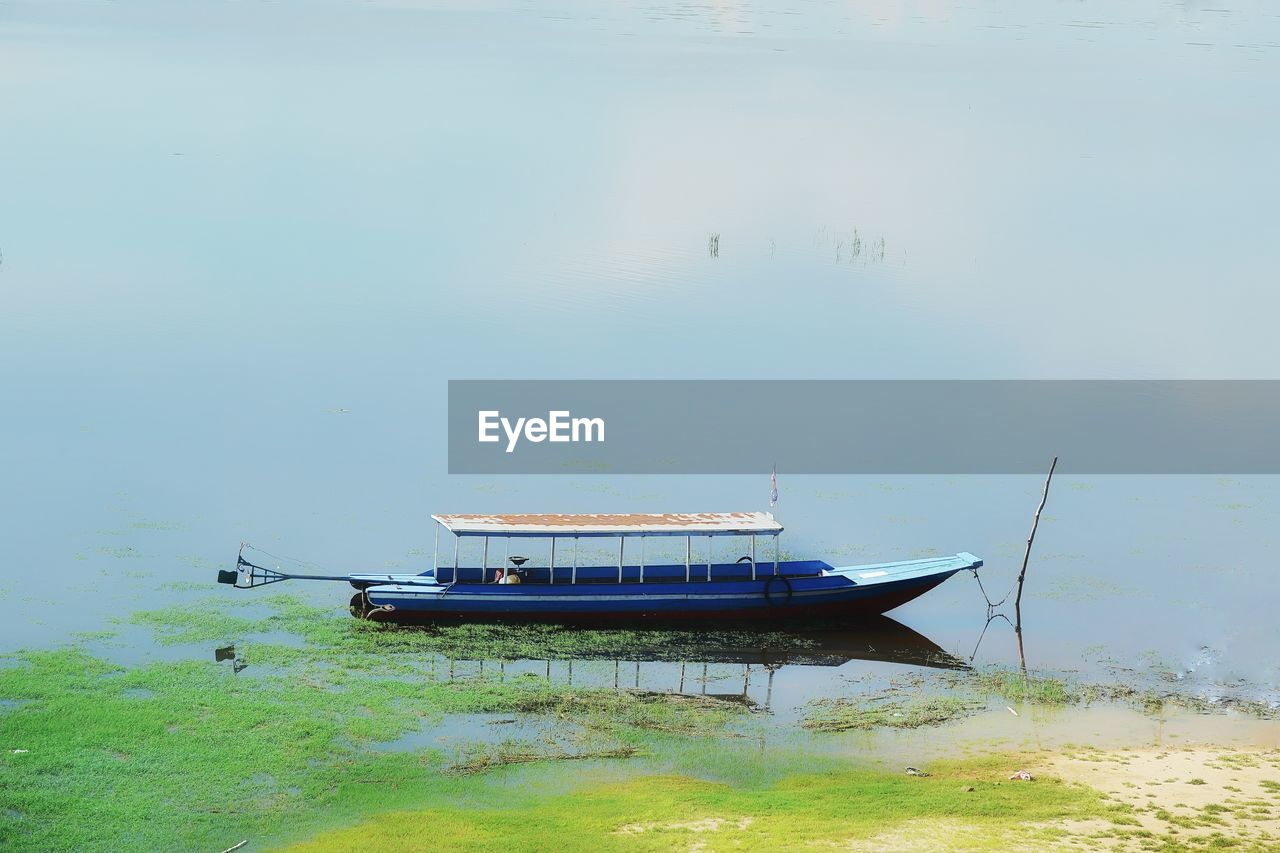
1026 557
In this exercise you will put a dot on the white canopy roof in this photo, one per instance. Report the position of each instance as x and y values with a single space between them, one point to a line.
631 524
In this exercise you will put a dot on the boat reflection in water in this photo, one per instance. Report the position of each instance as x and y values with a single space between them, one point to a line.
737 666
754 669
698 664
875 639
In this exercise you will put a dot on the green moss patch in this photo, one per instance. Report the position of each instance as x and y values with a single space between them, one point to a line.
833 715
222 620
962 801
1017 686
192 755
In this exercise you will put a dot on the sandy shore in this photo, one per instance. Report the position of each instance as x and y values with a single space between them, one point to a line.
1191 796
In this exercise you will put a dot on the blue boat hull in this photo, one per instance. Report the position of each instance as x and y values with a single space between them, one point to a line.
801 591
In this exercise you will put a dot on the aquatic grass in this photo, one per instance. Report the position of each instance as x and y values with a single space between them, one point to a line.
101 635
481 757
834 715
103 766
800 810
121 552
222 620
174 625
934 701
153 524
663 712
1019 686
188 754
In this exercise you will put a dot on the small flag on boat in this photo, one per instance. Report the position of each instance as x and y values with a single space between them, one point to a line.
773 491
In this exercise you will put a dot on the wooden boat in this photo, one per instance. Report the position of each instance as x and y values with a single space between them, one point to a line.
745 590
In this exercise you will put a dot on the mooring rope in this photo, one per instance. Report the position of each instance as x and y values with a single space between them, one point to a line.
992 605
991 617
285 559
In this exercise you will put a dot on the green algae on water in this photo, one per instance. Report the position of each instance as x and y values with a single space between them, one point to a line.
835 715
797 811
1019 686
218 620
192 755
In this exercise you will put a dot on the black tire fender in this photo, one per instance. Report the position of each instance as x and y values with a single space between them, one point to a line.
772 595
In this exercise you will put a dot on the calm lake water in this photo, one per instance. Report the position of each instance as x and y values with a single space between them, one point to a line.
245 245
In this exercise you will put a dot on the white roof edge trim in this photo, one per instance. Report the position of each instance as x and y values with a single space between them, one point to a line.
613 524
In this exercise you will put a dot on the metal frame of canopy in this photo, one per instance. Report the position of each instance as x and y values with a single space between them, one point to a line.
639 526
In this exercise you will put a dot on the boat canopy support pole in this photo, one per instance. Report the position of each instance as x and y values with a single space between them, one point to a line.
775 553
641 559
456 540
622 541
688 546
573 577
709 544
484 561
753 556
553 560
435 552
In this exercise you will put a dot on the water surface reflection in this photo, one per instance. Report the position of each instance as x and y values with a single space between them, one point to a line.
755 669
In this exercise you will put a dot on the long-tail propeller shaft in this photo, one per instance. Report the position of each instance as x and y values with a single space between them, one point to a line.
248 575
